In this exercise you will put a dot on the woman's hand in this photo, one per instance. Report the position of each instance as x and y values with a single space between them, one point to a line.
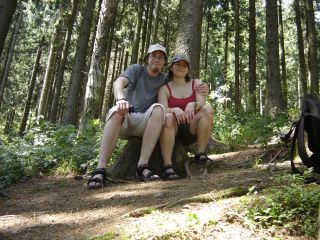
180 115
190 111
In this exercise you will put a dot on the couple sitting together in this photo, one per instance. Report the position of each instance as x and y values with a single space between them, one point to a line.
165 105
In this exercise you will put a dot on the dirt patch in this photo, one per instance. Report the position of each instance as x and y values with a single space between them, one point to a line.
62 208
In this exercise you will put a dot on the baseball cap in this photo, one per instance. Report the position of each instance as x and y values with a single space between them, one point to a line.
156 47
178 58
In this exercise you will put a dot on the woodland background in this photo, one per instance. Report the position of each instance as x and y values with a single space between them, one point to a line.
58 60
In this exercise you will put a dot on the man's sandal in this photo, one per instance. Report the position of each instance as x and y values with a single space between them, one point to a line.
149 176
95 179
168 173
201 158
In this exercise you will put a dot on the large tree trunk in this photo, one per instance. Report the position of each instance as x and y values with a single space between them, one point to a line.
97 78
189 34
7 9
26 111
63 60
71 110
252 56
302 61
274 96
312 48
237 101
6 70
126 164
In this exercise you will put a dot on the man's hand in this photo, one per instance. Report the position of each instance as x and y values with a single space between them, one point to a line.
202 88
123 106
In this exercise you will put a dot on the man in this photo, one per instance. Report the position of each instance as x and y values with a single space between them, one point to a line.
137 86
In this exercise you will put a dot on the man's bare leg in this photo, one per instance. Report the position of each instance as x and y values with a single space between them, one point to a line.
109 139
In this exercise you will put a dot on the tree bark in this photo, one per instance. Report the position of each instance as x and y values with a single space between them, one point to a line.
6 70
26 111
7 9
237 101
189 34
283 60
226 41
302 61
156 14
252 56
274 96
150 25
48 78
97 78
63 60
312 48
71 109
135 48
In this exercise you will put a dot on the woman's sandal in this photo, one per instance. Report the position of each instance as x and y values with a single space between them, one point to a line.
95 179
201 158
150 176
168 173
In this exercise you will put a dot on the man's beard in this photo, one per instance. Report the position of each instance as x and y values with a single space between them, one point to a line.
155 69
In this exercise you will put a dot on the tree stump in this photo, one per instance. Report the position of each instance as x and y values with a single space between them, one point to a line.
126 164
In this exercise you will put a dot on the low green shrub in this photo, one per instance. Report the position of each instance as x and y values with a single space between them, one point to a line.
292 205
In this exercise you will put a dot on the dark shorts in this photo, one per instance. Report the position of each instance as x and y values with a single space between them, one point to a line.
185 136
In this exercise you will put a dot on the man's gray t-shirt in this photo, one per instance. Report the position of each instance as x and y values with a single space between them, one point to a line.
142 89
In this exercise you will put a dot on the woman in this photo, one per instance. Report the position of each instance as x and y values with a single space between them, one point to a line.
187 115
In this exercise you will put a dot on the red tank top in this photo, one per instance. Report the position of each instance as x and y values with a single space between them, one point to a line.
181 102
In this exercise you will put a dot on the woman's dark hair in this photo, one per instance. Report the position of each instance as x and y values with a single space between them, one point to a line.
170 75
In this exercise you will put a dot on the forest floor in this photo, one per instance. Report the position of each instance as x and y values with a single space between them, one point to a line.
203 206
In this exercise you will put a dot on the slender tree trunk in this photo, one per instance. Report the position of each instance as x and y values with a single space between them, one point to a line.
189 35
71 111
156 14
144 33
6 70
207 37
237 58
135 48
7 9
48 78
274 96
108 86
150 25
283 60
226 41
252 56
312 48
111 96
302 61
26 111
63 60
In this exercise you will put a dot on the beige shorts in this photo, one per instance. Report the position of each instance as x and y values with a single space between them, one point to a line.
134 124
